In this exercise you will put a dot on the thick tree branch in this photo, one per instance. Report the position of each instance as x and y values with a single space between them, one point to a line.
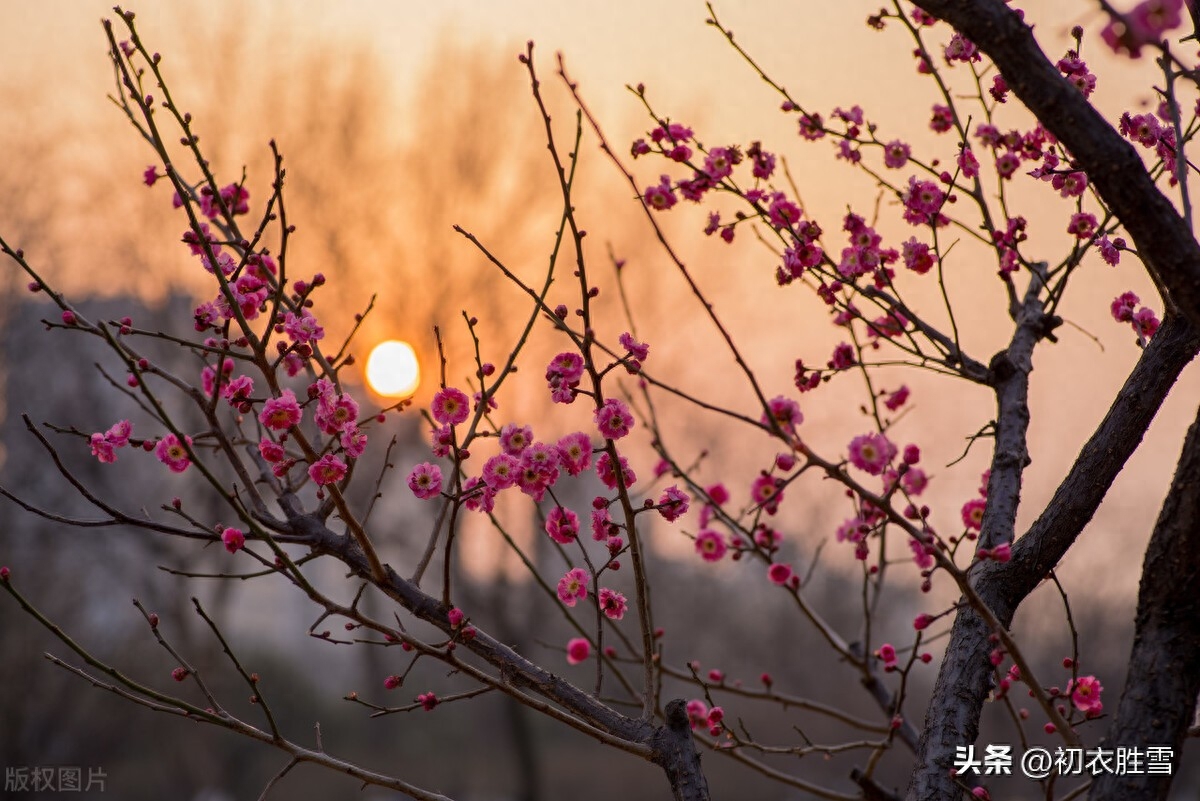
1102 457
964 679
1009 375
1161 235
1164 667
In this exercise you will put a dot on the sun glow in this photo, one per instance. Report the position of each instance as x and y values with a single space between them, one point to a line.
393 370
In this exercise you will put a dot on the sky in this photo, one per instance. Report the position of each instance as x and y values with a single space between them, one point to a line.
823 52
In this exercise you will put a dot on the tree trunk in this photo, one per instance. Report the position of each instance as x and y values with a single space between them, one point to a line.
1159 700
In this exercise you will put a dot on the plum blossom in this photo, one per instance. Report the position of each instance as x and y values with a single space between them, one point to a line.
887 655
450 406
896 399
514 438
425 480
575 452
1123 307
173 453
942 120
271 451
710 545
967 162
673 504
922 555
1145 322
660 197
923 203
578 650
608 474
1082 225
1111 251
896 154
613 419
281 413
780 573
1144 25
329 469
784 411
637 350
562 525
972 513
303 327
766 493
233 539
602 523
354 441
500 471
572 587
612 603
1085 694
719 163
871 453
104 445
811 126
477 496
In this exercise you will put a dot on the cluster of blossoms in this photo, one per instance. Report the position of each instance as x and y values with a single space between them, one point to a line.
1083 692
336 415
235 197
247 287
774 208
875 454
923 201
1142 25
1144 321
104 445
865 254
1150 133
700 716
1013 148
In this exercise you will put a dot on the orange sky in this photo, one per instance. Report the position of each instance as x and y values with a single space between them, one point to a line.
821 51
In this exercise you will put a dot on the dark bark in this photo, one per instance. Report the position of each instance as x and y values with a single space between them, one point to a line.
1162 237
676 754
1102 457
1159 699
964 679
1009 376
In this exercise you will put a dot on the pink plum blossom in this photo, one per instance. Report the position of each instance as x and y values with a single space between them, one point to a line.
871 453
710 545
578 650
281 413
612 603
673 504
1085 694
613 419
450 406
562 525
425 480
173 453
233 539
572 587
329 469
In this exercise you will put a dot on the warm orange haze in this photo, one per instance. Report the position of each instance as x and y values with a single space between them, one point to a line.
687 483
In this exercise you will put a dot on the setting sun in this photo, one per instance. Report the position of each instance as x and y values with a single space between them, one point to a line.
393 370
